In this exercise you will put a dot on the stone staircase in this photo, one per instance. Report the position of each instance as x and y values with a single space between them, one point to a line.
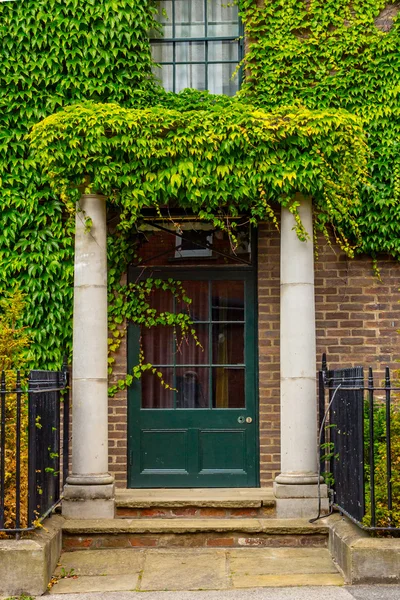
221 539
223 518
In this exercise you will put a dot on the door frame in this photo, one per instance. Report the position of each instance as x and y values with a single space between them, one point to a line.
197 272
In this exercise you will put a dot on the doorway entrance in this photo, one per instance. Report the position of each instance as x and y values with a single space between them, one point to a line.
204 431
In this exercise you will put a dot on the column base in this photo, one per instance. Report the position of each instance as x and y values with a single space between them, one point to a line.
88 501
300 501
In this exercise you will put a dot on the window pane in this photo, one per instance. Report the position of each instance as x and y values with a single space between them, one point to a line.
190 76
189 18
223 21
158 345
165 74
192 388
220 79
221 51
164 16
228 388
228 344
162 51
190 353
228 301
194 243
154 394
197 291
161 300
190 52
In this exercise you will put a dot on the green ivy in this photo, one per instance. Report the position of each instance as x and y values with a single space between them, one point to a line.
337 54
219 162
313 55
54 53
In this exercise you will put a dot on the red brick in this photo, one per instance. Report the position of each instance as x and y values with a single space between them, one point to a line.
143 542
220 542
213 512
184 512
77 542
153 512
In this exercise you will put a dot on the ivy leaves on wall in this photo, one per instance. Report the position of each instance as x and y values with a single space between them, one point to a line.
54 53
218 163
317 54
337 54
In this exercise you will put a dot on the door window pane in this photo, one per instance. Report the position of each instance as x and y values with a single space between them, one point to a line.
228 344
188 364
228 301
161 300
189 352
192 388
197 291
228 387
158 345
154 394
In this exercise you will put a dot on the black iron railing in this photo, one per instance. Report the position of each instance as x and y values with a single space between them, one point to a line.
359 432
34 446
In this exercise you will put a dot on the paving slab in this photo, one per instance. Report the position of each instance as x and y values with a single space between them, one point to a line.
183 570
281 561
287 580
276 567
193 569
98 583
101 562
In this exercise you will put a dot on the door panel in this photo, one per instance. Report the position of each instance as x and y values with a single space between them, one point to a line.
162 451
222 450
204 432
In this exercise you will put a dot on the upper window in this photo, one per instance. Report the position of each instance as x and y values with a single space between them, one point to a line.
200 46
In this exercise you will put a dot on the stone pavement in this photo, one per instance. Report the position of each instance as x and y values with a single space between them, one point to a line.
188 569
283 593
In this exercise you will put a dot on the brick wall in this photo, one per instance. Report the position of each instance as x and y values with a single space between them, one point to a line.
118 420
268 335
357 321
357 315
357 318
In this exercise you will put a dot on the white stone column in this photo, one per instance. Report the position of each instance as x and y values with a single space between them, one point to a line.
296 487
89 492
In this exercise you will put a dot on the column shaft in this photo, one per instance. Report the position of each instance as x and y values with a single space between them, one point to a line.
298 351
296 488
90 480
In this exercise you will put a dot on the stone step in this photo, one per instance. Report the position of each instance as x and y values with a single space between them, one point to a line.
146 570
166 533
196 503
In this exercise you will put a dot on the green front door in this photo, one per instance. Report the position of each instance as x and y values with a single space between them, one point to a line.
204 432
